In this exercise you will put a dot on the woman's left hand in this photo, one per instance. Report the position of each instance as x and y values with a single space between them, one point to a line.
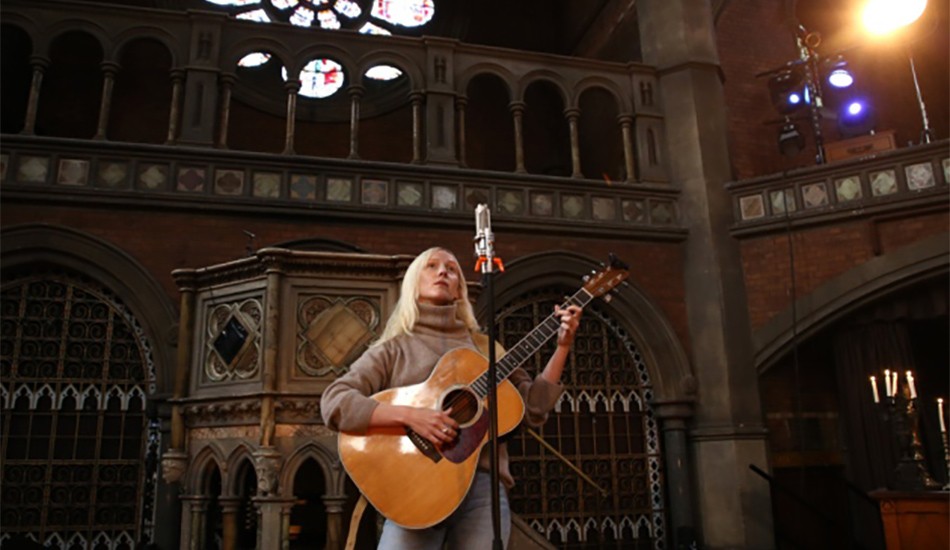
570 319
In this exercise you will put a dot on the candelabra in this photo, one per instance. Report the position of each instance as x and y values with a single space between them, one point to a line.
900 413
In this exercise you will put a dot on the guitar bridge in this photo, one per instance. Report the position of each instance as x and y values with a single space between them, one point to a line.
424 445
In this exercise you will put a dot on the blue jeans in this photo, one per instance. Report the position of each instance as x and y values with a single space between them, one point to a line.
469 526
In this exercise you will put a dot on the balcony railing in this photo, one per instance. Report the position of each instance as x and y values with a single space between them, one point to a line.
913 177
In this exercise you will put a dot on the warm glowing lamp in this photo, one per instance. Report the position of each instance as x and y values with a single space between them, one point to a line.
884 16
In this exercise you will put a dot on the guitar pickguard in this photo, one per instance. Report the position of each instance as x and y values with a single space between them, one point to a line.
468 441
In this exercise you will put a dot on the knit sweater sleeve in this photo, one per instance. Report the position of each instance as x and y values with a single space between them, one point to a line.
345 404
540 396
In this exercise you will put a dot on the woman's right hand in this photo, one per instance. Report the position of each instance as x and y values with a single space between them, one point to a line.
437 426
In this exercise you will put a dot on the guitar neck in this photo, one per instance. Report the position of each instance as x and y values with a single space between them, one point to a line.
527 346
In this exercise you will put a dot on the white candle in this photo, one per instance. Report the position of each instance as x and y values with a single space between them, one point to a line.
887 383
943 427
910 384
894 383
877 398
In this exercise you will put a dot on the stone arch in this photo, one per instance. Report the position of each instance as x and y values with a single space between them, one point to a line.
239 458
483 69
325 51
162 36
662 351
44 244
65 26
622 100
208 460
542 75
237 51
396 59
849 291
327 458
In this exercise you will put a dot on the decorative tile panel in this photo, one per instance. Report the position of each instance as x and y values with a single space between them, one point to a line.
603 209
191 179
444 197
883 183
661 212
266 185
73 172
475 196
779 200
920 176
303 187
339 189
751 207
634 210
542 204
375 192
848 189
409 193
33 169
510 202
814 195
572 206
113 174
153 177
332 331
229 182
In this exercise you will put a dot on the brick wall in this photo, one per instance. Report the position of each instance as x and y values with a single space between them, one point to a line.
821 254
164 240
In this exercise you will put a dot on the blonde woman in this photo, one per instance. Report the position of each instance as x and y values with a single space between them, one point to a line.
433 316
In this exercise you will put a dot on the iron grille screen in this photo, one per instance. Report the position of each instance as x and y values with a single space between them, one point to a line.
603 424
74 369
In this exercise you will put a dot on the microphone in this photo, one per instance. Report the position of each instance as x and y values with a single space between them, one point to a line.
484 238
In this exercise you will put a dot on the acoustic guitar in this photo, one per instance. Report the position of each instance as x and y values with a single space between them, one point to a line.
418 484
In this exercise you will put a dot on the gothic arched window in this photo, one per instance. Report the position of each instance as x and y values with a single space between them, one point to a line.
79 451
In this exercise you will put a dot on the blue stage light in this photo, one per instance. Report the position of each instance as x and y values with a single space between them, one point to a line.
840 78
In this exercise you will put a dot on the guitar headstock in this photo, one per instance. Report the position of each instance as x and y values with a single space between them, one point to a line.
603 281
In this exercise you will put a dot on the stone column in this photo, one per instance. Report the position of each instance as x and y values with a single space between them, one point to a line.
626 121
39 64
679 487
572 115
292 87
109 70
230 507
460 104
734 505
193 534
272 531
440 102
271 342
517 117
416 99
200 94
336 538
227 82
356 94
178 78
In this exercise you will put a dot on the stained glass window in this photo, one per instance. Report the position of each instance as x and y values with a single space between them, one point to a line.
324 77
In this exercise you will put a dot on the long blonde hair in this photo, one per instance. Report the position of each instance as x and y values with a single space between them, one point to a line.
406 312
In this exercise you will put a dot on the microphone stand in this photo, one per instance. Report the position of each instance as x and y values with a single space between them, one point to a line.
484 250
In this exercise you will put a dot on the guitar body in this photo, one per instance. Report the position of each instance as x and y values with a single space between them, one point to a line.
410 484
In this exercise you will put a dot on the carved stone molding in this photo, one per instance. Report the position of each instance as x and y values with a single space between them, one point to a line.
174 464
223 413
295 410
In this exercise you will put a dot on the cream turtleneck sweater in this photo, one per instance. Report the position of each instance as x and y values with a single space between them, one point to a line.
409 359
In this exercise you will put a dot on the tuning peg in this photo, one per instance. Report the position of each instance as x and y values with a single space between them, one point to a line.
586 278
608 297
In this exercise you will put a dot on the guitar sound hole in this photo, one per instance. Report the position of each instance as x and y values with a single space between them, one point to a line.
465 406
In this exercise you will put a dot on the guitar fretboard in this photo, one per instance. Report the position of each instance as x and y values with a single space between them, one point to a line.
527 346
